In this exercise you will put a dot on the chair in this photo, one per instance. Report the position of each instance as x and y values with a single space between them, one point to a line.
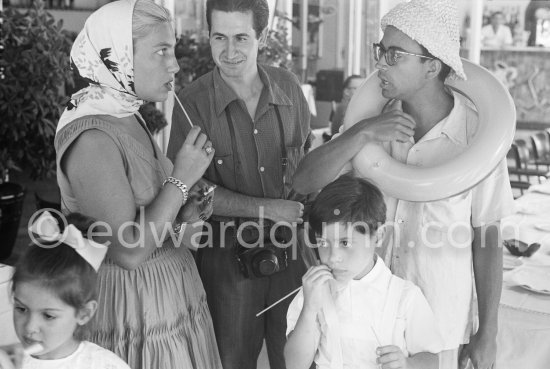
520 161
514 169
526 161
541 148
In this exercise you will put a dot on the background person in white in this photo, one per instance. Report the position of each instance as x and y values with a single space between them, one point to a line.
436 244
496 34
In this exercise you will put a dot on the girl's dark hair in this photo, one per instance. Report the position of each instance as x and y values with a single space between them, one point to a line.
59 268
349 200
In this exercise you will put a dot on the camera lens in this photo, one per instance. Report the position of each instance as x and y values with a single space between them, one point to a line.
266 263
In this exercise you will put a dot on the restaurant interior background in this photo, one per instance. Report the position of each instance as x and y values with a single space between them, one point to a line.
339 35
333 42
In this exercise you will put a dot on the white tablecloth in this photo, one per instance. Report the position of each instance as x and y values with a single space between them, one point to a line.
524 319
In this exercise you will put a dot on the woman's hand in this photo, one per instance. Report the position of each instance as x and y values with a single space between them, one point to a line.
193 158
199 205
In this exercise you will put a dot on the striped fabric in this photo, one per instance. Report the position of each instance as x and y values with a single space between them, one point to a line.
156 316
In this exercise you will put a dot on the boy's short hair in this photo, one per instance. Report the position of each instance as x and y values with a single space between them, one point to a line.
349 200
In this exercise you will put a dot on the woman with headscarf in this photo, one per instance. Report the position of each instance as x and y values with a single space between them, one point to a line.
152 307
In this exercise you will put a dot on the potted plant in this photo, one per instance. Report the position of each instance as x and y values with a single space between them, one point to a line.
33 71
194 58
277 52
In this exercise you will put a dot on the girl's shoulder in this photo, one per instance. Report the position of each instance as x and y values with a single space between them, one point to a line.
101 357
87 356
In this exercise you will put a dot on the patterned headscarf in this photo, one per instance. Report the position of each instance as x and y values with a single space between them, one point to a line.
102 60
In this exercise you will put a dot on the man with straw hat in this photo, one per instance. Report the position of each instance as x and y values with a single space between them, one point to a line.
435 244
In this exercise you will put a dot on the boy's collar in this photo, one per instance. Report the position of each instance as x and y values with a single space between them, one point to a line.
375 273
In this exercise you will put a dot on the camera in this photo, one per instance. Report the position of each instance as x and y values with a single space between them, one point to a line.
265 259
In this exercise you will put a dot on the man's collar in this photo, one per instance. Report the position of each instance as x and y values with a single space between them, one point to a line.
224 94
452 126
275 94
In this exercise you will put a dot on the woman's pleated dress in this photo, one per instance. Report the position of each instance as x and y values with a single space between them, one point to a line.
155 316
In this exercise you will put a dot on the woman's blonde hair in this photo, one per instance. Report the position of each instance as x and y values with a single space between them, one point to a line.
147 16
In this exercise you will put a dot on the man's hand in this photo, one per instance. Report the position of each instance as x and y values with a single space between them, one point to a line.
391 126
391 357
199 205
482 351
285 211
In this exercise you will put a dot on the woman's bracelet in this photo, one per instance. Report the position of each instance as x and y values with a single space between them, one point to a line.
178 228
179 184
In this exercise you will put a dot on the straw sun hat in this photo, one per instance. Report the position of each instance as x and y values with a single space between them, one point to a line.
434 25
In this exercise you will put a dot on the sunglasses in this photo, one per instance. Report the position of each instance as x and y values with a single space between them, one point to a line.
392 54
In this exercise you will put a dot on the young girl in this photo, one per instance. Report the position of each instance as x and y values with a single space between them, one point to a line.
54 289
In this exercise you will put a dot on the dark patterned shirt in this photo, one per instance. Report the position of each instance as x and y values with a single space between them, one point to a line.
251 165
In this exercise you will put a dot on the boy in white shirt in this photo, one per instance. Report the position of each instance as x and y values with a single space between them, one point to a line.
352 312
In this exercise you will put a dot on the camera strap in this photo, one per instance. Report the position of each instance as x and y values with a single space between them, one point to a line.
236 160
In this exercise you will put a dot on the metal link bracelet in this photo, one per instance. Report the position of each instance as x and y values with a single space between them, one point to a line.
179 184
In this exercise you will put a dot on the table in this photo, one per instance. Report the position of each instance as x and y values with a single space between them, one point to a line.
524 317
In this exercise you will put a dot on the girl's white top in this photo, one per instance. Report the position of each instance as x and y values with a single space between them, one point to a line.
87 356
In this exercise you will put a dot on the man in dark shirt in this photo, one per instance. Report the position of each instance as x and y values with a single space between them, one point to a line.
258 121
